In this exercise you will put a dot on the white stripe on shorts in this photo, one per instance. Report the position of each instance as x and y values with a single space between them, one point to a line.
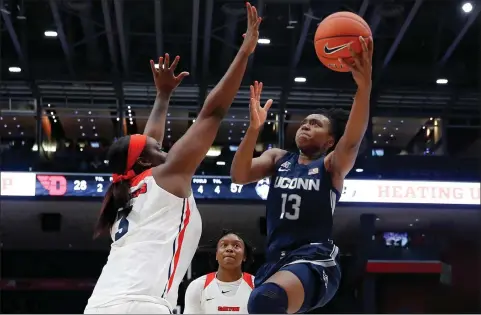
330 262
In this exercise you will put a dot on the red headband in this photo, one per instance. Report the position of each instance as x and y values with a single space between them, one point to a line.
136 146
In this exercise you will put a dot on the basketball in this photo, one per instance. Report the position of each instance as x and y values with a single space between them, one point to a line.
334 34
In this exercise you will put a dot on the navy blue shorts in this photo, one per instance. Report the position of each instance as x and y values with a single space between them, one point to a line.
317 267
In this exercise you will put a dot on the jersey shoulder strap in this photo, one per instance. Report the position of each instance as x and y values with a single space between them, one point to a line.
139 177
248 278
286 157
208 279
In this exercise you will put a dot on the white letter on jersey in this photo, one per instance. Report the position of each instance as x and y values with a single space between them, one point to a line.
333 201
296 206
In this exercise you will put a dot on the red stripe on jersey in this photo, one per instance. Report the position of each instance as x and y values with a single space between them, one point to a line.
208 279
248 279
179 248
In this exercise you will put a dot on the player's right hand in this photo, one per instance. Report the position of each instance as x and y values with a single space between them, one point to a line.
252 34
361 69
258 114
164 77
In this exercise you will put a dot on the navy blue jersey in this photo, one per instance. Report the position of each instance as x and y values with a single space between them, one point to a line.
300 205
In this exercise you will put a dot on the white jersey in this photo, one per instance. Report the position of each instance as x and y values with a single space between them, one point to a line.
152 249
209 295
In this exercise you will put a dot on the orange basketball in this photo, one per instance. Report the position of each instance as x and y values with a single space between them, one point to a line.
334 33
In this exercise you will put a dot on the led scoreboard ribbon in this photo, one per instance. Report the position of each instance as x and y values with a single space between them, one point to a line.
86 185
21 184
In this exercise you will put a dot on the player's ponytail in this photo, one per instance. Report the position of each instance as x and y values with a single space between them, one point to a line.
116 197
122 157
107 213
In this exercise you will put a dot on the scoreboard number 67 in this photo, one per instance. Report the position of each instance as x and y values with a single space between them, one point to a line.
235 188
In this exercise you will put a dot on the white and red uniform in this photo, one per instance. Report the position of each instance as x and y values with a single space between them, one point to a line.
209 295
147 263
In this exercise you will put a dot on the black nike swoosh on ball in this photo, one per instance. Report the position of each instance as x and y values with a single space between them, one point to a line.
209 299
225 291
329 51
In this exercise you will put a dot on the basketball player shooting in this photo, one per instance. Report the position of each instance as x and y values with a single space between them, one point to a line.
228 289
302 272
149 209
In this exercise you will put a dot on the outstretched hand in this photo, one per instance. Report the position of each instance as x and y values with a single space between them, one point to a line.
258 114
164 77
252 34
361 69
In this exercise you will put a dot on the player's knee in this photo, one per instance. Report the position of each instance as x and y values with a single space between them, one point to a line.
268 298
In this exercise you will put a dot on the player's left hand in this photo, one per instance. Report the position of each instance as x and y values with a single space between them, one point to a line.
164 77
258 114
251 36
361 68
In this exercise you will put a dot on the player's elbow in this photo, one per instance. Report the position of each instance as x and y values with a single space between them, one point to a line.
240 182
238 176
213 109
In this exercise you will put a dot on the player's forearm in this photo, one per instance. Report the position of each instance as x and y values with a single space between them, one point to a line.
242 162
192 298
358 118
221 97
156 123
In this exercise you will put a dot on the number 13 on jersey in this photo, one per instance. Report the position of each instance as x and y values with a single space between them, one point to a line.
293 204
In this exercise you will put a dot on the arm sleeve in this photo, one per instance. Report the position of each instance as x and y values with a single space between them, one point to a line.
193 295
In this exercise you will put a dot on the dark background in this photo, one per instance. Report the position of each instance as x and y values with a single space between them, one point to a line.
91 84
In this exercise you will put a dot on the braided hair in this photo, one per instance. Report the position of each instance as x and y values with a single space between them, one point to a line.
338 120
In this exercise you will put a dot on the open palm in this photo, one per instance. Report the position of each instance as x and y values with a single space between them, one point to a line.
252 34
164 77
258 114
